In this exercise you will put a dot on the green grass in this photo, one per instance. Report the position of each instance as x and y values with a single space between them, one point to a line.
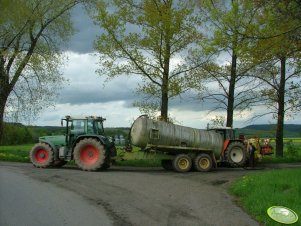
292 152
139 163
19 153
273 159
257 192
15 153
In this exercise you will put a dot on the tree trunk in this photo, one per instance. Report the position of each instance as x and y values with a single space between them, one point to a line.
5 90
230 106
165 78
3 99
280 116
164 98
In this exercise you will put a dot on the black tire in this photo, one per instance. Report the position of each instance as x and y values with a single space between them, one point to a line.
41 155
236 154
59 163
182 163
107 163
203 163
89 154
166 164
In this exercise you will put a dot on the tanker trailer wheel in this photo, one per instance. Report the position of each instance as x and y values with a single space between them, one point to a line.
182 163
89 154
41 155
236 154
203 163
166 164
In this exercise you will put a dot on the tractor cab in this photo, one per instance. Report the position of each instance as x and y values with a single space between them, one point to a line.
234 150
77 126
227 132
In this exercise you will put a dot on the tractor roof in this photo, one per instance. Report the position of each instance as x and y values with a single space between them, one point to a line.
221 128
98 118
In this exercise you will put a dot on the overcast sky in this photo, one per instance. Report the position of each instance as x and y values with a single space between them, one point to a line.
87 94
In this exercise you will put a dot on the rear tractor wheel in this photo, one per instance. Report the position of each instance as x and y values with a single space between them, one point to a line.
41 155
182 163
236 154
203 163
89 154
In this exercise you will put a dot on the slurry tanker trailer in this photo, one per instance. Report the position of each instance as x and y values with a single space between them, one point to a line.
188 147
180 148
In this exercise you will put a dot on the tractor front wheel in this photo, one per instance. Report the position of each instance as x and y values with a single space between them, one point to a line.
41 155
89 154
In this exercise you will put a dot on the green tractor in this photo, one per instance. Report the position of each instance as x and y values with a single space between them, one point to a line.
84 142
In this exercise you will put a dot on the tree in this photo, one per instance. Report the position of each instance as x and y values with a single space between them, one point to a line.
279 59
31 32
229 19
151 39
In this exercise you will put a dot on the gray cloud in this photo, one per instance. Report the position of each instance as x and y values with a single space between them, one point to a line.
85 31
95 95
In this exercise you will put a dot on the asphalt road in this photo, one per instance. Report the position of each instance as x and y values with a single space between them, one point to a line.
25 201
119 196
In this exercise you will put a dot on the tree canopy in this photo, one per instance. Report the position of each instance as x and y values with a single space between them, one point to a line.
151 39
31 34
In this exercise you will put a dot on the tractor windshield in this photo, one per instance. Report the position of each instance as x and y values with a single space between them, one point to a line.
77 126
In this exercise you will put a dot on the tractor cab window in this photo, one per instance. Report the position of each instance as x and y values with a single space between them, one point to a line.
91 127
77 127
100 129
229 134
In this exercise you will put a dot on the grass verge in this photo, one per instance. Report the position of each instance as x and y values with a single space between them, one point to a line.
257 192
15 153
20 153
285 159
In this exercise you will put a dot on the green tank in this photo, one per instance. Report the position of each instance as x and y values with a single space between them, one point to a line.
168 137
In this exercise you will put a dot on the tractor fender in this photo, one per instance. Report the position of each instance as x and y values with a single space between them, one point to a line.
97 137
49 143
55 150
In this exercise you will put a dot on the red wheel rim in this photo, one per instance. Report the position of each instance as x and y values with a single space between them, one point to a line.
89 155
41 155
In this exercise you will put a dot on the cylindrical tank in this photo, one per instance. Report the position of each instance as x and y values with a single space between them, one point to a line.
146 131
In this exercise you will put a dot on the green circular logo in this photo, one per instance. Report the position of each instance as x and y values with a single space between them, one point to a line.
282 214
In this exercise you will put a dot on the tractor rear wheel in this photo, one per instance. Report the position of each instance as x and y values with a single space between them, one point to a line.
107 163
89 154
41 155
203 163
236 154
182 163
